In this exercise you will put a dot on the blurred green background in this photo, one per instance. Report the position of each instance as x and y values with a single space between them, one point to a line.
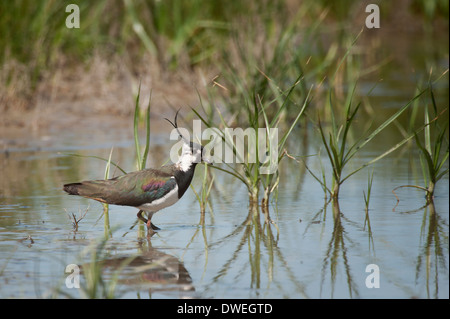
174 39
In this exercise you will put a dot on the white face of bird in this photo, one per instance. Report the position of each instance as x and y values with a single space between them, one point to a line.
190 153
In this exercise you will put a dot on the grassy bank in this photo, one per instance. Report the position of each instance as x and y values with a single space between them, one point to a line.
181 44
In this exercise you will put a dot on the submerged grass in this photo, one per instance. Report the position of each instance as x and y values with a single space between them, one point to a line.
258 166
340 153
431 159
433 163
203 196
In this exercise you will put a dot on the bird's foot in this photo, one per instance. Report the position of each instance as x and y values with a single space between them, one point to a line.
151 229
151 226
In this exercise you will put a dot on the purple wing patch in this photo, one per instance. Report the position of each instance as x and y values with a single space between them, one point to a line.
154 185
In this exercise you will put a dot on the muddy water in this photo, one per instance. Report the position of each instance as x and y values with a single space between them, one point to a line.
312 249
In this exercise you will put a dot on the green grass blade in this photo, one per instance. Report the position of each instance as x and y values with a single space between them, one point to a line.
302 110
283 106
238 176
427 132
442 162
384 125
327 148
437 148
343 156
139 29
427 157
201 118
231 170
347 53
395 147
135 126
439 176
108 164
433 100
424 170
147 137
336 162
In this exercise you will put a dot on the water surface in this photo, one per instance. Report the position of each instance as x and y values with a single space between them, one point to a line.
311 250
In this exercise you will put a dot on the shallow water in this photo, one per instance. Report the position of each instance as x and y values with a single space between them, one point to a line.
311 250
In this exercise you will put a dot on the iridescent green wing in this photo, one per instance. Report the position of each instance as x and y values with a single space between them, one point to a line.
141 187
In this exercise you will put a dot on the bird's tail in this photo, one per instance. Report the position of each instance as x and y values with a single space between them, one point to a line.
73 189
90 189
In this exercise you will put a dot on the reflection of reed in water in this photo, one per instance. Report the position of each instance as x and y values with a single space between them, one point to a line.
257 254
431 258
337 250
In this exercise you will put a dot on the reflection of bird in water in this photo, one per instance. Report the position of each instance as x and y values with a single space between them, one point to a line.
152 270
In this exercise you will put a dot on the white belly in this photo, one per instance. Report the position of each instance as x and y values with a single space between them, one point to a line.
168 200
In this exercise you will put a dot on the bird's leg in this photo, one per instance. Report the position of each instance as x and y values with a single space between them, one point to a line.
139 215
153 226
148 221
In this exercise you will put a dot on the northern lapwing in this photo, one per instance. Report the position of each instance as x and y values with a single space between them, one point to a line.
149 190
